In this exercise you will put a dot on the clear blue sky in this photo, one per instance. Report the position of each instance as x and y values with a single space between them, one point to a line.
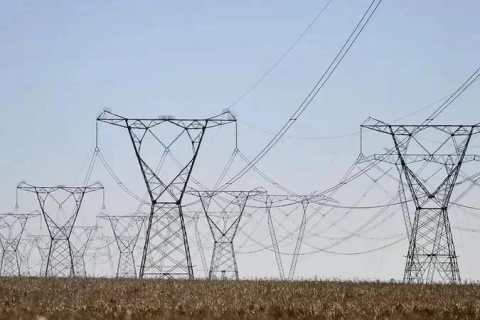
63 62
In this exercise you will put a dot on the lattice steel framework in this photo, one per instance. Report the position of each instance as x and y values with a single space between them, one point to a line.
126 230
224 225
198 239
10 238
42 244
25 249
103 251
431 253
81 239
61 255
303 201
166 253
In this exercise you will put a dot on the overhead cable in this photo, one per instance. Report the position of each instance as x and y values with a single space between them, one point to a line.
315 90
282 57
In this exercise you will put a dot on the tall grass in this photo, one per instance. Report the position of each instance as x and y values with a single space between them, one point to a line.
39 298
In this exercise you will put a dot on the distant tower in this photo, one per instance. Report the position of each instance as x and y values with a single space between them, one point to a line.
224 215
126 230
10 237
61 255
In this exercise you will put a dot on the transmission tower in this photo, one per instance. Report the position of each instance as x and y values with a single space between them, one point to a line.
126 230
102 250
198 240
61 255
224 224
82 238
166 235
42 244
303 202
24 252
10 238
431 253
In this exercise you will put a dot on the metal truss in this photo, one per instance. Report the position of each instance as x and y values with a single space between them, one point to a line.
166 253
25 249
198 239
223 225
103 250
81 239
61 255
431 254
273 237
126 230
42 244
282 200
10 237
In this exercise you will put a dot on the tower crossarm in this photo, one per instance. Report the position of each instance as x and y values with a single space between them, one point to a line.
279 200
413 158
410 130
50 189
147 123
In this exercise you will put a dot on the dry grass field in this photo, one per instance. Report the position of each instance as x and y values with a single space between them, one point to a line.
37 298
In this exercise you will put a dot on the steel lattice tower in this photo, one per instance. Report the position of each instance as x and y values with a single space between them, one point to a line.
42 244
224 225
61 255
10 240
126 230
103 251
82 238
24 251
304 202
166 253
431 252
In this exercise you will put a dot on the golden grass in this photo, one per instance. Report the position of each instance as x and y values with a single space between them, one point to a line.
34 298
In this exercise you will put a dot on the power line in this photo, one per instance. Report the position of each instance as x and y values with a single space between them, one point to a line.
301 138
315 90
346 134
282 57
318 250
474 77
424 108
449 97
464 206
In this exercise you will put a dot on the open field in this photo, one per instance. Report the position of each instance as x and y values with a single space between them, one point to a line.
36 298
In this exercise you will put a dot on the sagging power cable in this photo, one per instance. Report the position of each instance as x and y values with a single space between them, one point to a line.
313 93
